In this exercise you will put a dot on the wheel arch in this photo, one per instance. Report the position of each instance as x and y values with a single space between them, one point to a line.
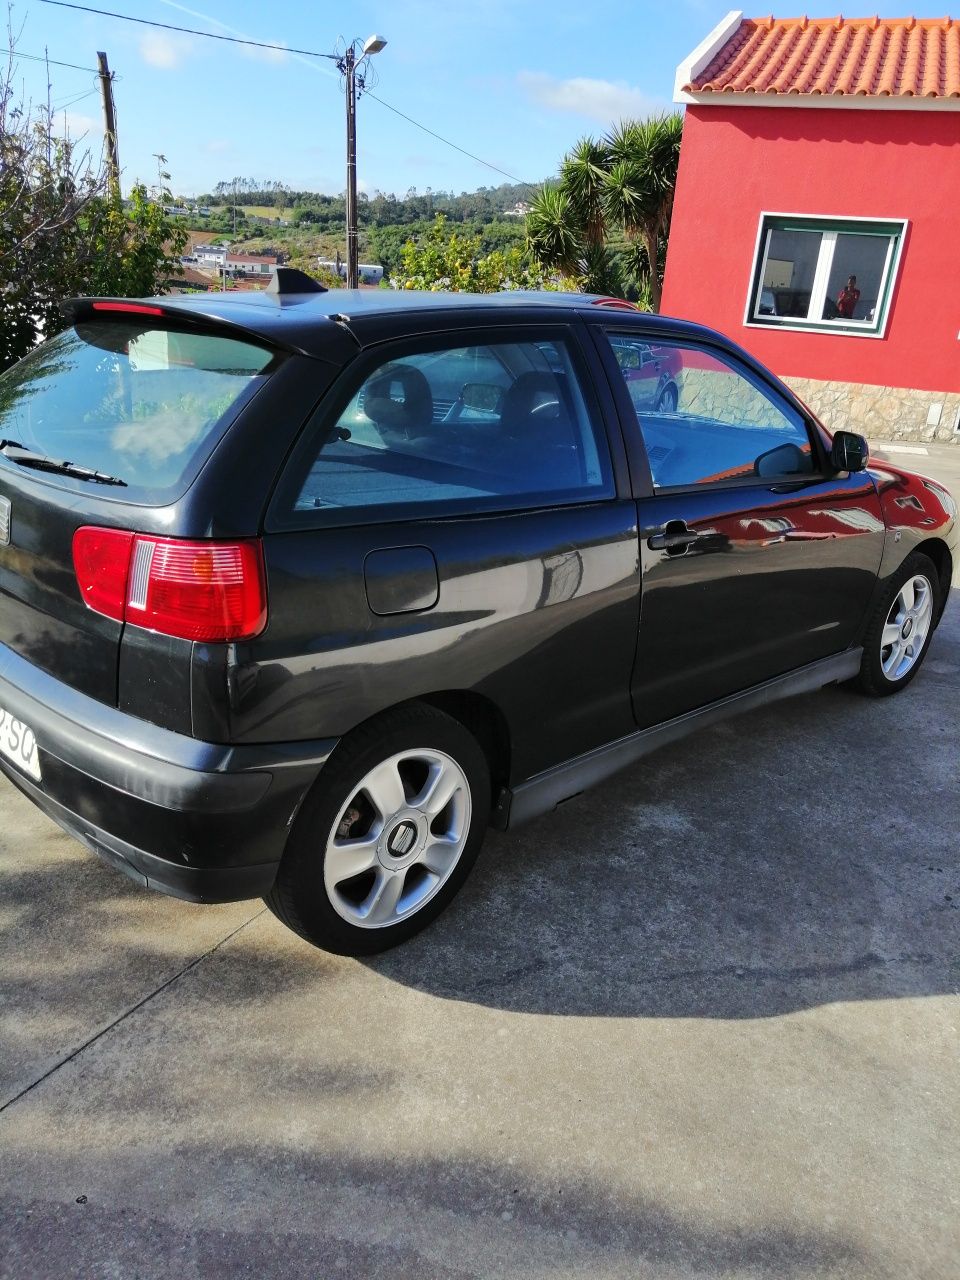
936 549
480 716
484 719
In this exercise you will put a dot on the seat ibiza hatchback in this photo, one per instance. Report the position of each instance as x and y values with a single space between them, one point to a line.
299 591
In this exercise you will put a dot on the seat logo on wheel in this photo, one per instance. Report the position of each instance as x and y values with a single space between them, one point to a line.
401 839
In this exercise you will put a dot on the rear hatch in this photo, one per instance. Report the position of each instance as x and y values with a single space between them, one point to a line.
114 417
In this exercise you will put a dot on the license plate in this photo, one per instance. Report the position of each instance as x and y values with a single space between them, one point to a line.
18 744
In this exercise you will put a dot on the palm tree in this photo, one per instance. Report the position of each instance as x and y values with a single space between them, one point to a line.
640 182
553 232
582 177
624 182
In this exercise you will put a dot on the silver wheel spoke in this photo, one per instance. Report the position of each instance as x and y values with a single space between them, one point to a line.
381 906
347 858
893 659
439 856
385 789
441 787
907 595
890 634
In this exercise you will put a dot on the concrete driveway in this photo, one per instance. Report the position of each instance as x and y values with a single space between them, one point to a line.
704 1022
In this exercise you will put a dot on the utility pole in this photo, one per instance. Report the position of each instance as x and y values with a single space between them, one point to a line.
348 64
109 122
353 256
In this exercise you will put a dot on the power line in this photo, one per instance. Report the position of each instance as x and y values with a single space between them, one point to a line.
32 57
396 111
209 35
168 26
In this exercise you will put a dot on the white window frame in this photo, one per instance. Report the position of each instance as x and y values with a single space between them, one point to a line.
840 327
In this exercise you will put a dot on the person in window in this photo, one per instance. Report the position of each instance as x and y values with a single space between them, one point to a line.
848 299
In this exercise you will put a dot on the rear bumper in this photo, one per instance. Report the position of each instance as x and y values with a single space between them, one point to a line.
203 821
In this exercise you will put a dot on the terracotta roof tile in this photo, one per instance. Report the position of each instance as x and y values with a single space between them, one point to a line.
869 57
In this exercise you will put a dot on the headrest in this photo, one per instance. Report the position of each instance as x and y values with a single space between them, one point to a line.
399 397
529 390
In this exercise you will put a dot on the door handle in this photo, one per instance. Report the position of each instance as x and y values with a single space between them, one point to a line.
674 538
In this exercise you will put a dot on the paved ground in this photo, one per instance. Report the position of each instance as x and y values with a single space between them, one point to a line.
705 1023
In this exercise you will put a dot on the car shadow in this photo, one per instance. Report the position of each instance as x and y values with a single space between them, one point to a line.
800 855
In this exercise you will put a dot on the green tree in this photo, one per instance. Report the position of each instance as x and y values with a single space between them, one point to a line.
63 230
442 259
622 186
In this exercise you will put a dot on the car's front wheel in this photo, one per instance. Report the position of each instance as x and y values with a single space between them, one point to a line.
388 835
668 399
898 634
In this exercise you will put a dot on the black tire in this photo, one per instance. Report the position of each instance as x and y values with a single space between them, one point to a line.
668 399
300 897
872 679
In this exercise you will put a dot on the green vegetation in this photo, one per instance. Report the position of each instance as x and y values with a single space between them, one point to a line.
64 229
446 258
605 227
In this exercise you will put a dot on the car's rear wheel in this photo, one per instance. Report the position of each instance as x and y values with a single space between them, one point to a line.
388 835
898 634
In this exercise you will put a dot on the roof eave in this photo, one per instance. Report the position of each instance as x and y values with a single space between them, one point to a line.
819 101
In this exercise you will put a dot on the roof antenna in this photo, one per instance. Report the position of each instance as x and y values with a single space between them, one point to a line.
289 280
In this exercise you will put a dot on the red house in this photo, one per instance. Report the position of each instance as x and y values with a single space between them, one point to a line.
817 211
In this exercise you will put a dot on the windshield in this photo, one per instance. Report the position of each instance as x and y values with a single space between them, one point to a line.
145 404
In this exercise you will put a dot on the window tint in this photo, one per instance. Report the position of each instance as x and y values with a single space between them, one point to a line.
500 424
704 420
141 403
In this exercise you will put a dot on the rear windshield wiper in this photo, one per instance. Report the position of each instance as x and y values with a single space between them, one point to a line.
15 451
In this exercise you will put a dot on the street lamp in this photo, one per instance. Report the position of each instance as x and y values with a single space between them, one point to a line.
349 66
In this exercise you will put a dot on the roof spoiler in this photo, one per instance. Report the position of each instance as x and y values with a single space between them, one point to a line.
78 310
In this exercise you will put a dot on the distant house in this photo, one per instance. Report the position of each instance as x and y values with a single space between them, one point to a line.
367 272
519 210
217 257
250 264
815 217
210 256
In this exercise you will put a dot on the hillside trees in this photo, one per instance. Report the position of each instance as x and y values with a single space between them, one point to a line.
619 188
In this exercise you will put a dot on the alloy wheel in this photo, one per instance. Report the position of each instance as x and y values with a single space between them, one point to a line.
398 838
907 627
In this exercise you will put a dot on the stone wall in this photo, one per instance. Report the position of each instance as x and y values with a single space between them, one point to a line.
883 413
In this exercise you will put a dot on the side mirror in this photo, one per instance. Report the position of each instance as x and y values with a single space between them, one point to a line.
849 452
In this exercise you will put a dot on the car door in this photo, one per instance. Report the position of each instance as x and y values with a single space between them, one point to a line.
756 558
457 517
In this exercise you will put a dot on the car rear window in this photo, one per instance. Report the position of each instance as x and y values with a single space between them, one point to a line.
143 403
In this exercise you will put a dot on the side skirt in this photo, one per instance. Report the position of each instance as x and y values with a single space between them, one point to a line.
547 790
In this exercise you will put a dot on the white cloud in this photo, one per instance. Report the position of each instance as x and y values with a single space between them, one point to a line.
159 49
71 124
605 101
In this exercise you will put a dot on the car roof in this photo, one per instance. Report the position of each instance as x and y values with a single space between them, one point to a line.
333 323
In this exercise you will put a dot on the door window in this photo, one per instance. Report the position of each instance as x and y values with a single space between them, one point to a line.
704 420
494 425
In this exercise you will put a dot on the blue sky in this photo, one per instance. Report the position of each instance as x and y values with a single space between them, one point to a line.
514 81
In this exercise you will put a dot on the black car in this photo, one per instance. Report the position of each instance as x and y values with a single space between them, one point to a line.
301 590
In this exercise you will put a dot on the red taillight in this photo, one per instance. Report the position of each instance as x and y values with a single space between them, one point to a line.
101 561
208 591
